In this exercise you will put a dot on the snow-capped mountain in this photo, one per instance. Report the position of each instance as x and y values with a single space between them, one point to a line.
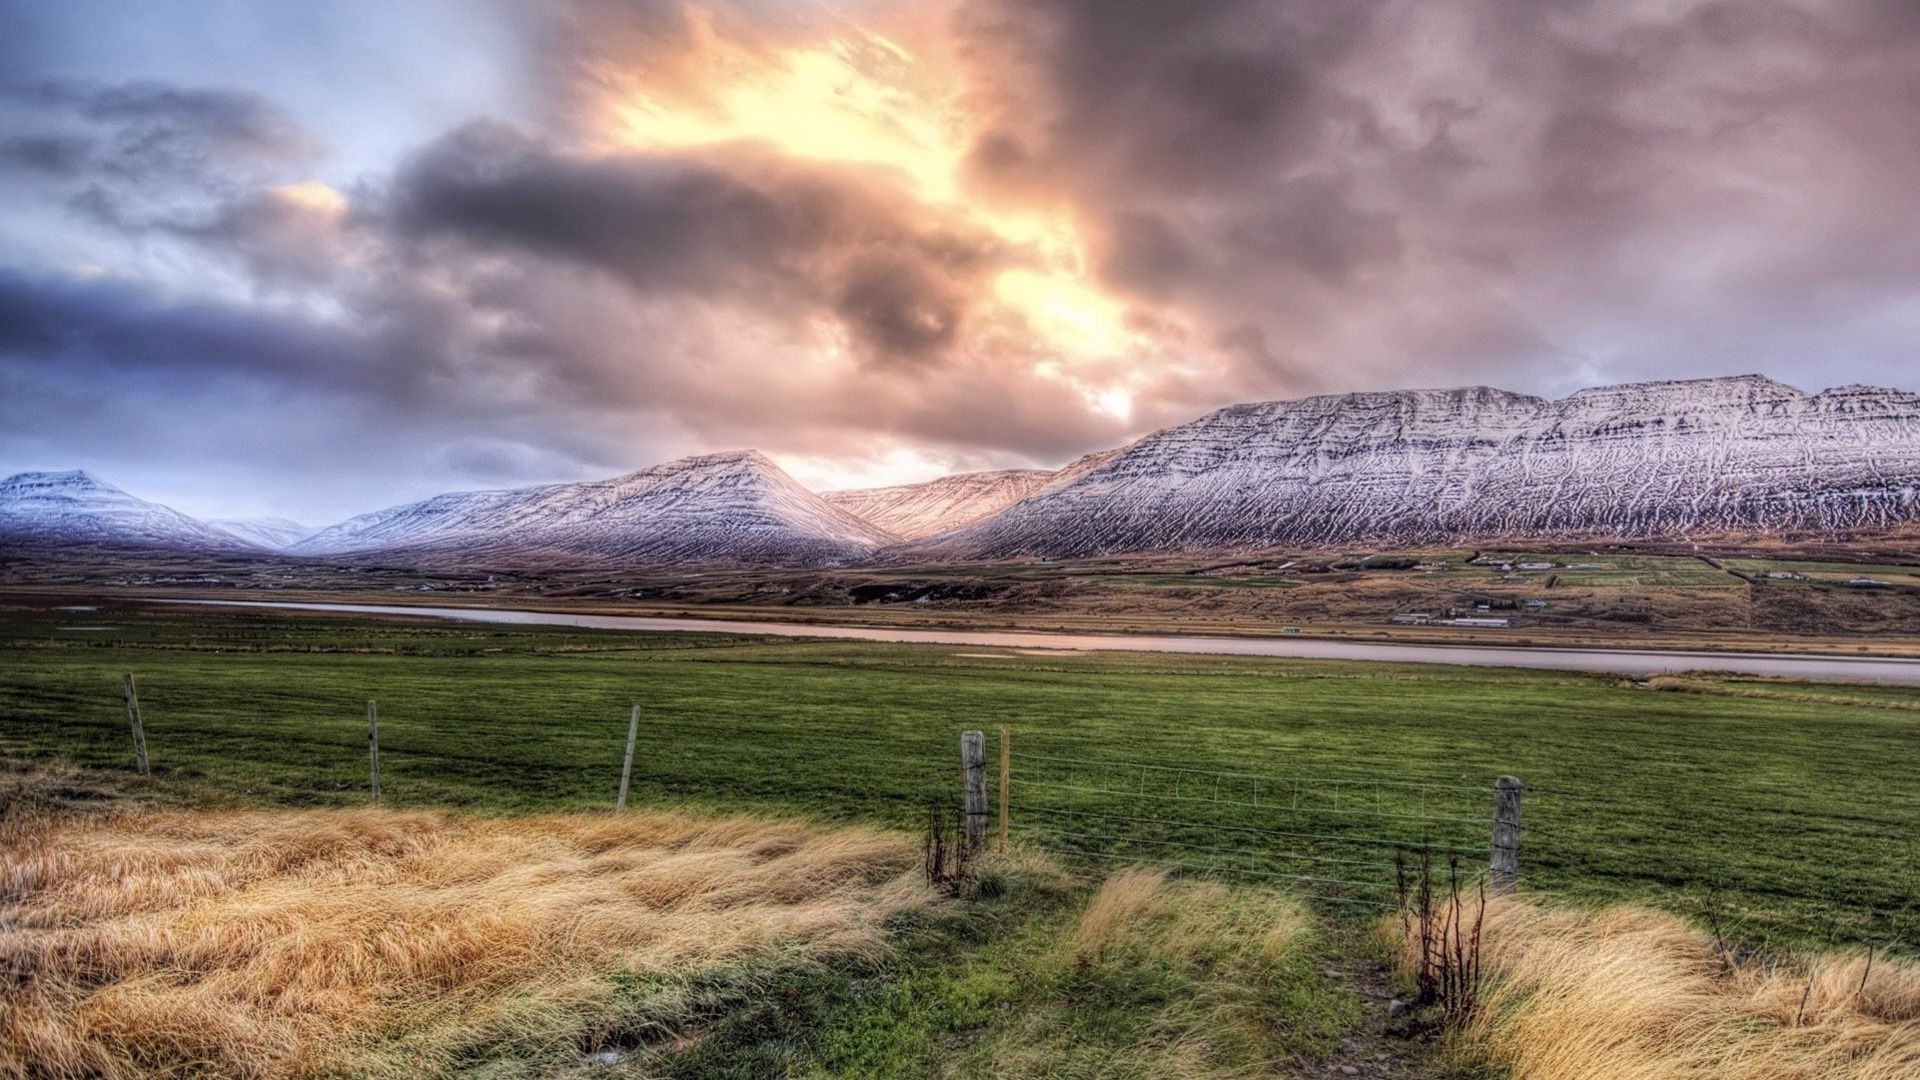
716 508
77 508
271 533
1743 454
911 511
1648 460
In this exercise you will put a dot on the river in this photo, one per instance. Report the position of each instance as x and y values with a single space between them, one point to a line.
1638 663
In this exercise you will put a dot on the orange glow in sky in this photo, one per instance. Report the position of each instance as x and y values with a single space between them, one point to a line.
858 97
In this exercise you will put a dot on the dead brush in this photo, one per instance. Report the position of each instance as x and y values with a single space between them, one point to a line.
381 943
1627 993
1444 927
948 856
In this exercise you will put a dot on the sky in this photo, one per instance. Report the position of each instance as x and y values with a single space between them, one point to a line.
313 259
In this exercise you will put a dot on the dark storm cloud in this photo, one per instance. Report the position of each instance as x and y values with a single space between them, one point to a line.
106 329
58 155
1479 189
771 232
147 131
899 306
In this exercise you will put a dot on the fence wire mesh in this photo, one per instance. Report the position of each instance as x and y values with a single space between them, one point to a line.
1340 840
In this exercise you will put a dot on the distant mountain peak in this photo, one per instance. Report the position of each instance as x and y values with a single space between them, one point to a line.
731 507
73 506
62 478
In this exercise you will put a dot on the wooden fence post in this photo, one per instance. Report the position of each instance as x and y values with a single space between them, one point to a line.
973 774
626 769
139 733
1504 873
1006 778
373 749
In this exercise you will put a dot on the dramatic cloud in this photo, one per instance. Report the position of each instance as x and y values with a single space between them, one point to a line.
886 239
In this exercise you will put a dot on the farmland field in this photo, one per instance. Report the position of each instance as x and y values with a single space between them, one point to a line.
1783 809
1792 571
1619 571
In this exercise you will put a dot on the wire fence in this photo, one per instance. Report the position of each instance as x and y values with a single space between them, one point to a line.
1825 866
1338 840
1358 842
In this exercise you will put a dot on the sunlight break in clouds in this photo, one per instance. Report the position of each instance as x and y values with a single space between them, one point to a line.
858 97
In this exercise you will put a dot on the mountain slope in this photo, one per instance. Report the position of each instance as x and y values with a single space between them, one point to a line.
911 511
271 533
70 508
1649 459
716 508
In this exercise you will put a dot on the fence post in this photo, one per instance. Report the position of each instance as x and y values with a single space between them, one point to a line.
973 775
626 769
139 733
1006 778
1505 870
373 749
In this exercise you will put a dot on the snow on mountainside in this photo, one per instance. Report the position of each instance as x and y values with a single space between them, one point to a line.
1649 459
271 533
76 508
730 508
911 511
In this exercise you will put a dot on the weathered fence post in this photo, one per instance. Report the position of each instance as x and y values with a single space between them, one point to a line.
373 749
1505 870
626 769
139 733
973 773
1006 779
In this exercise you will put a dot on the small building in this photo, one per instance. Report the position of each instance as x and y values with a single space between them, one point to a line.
1414 618
1482 623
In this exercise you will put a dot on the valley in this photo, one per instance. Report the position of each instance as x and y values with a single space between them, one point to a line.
1730 596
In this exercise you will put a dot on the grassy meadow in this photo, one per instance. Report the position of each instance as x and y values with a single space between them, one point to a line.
761 912
1781 809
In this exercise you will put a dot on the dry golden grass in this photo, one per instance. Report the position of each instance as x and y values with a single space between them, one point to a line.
1142 908
1164 978
1631 994
369 942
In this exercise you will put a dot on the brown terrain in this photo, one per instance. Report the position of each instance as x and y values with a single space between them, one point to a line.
1858 596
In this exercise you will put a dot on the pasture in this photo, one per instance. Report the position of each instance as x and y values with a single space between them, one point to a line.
1783 810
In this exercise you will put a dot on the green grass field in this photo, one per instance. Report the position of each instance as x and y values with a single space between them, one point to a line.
1619 571
1827 573
1785 809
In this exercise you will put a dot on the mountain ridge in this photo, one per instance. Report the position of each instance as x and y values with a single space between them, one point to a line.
913 511
1636 460
735 506
270 533
1661 459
